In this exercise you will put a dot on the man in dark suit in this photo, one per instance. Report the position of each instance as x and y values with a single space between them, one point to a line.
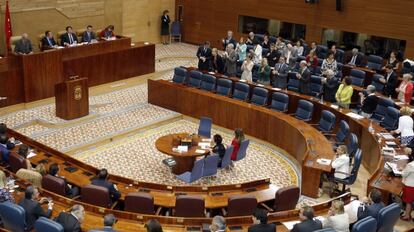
355 59
71 221
368 101
204 56
308 224
280 73
48 42
371 207
4 151
273 55
23 45
330 86
229 40
70 191
69 37
251 39
101 180
260 222
390 81
304 78
33 208
88 35
109 222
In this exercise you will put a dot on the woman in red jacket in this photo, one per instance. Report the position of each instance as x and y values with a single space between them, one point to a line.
238 138
312 60
405 90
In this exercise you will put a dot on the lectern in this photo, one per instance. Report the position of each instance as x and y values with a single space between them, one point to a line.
72 99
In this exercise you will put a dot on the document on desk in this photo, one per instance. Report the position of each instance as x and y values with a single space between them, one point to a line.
290 224
387 136
354 115
277 89
334 106
324 161
390 143
206 140
204 145
182 148
394 168
199 151
31 154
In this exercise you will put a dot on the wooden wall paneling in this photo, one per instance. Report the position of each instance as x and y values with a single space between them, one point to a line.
11 81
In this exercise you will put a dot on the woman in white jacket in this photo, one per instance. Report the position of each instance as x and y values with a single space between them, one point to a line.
408 187
247 67
337 218
341 163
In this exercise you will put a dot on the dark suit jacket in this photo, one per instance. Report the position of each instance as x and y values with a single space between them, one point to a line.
88 37
230 41
201 52
358 61
24 47
253 41
262 228
46 45
369 104
307 226
69 222
304 82
65 39
389 88
217 65
273 57
33 211
115 195
330 88
370 210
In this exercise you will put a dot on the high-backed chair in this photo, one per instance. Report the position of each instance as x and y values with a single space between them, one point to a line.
204 128
180 75
380 110
138 202
175 31
367 224
13 41
353 174
376 82
358 77
59 36
388 217
96 195
316 86
223 87
327 121
226 161
241 205
54 184
259 96
31 176
286 198
293 82
13 217
195 174
241 91
16 162
280 102
195 79
352 145
241 154
304 111
189 206
47 225
340 55
341 134
322 51
390 121
79 33
208 82
374 62
210 165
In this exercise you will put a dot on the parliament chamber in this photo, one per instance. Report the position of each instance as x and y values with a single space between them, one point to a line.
209 116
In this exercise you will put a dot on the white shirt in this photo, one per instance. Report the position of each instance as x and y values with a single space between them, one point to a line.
341 165
405 126
408 174
339 222
258 54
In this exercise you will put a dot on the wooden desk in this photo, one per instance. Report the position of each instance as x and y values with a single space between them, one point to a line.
185 160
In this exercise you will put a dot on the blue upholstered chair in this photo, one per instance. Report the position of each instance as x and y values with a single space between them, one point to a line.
327 121
208 82
259 96
406 68
368 224
180 75
390 121
223 87
374 62
210 165
226 161
241 91
242 150
195 174
316 86
47 225
280 102
340 56
353 174
381 109
376 82
341 134
352 145
322 51
175 31
317 70
13 217
325 230
357 76
195 79
204 128
388 217
304 111
293 82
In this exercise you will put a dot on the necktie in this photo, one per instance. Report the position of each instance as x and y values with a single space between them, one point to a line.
48 40
70 39
353 60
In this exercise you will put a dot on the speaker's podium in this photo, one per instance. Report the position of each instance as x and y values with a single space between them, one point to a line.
72 99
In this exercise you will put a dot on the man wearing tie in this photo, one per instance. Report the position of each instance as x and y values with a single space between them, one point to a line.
204 56
291 54
48 42
280 74
304 78
356 59
390 81
69 37
88 36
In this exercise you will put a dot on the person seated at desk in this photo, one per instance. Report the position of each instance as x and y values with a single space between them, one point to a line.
260 222
251 39
329 64
229 40
390 81
32 207
108 32
368 101
217 63
68 38
337 218
273 55
153 225
5 194
88 36
70 190
238 138
71 221
102 181
204 56
23 45
372 206
330 86
48 42
344 93
24 151
341 163
408 186
219 148
307 224
405 126
405 90
218 224
304 76
5 153
355 59
109 222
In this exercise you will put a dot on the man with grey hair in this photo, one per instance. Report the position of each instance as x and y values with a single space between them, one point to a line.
218 224
368 101
71 221
355 59
330 86
23 45
230 65
304 78
229 40
109 222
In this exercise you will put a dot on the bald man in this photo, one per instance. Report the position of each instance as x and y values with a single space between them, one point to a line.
23 45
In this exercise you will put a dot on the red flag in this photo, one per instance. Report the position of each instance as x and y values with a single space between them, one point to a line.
7 26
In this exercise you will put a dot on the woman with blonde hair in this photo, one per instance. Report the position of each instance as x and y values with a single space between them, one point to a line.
264 72
337 218
247 68
405 126
405 90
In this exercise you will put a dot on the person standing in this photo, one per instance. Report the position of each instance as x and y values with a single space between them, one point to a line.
241 49
165 27
330 85
230 65
247 67
229 40
304 78
390 81
264 73
369 101
280 74
217 63
405 126
204 56
273 55
408 186
405 90
344 93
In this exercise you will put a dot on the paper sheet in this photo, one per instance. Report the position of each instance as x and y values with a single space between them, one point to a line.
354 115
324 161
199 151
277 89
31 154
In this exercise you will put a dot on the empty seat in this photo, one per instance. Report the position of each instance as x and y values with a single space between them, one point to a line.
180 75
13 217
96 195
54 184
47 225
322 51
358 77
241 91
304 111
368 224
259 96
208 82
210 165
226 161
189 206
379 86
280 102
204 128
16 162
380 110
316 86
327 121
223 87
388 217
374 62
241 206
342 132
293 82
195 79
137 202
195 174
241 153
390 121
340 55
286 198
